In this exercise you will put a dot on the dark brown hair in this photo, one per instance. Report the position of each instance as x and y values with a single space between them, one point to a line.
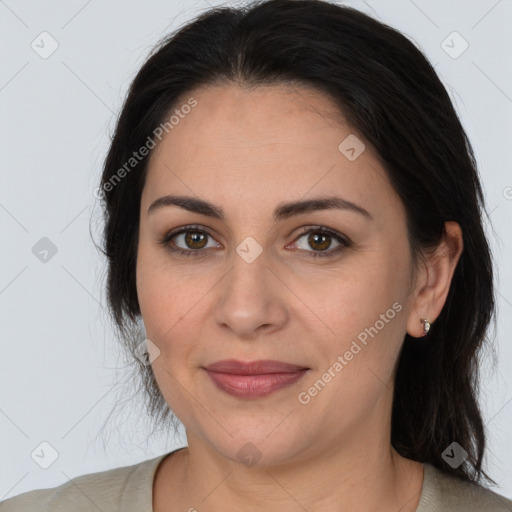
390 95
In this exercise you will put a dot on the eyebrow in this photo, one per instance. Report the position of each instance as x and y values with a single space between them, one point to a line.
283 211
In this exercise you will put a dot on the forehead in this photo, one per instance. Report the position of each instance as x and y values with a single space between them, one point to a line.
279 142
255 118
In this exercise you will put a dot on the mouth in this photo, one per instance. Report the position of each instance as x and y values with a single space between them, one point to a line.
253 379
260 367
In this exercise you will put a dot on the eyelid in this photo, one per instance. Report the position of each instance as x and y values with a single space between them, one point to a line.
343 240
167 238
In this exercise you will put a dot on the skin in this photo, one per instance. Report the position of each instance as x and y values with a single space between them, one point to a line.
247 151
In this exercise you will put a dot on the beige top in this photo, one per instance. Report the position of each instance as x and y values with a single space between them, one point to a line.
130 489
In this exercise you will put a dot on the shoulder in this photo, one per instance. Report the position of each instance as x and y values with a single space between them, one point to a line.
445 492
125 488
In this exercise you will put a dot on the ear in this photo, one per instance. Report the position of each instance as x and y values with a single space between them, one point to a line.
433 283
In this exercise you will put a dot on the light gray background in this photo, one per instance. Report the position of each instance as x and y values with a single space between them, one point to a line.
59 356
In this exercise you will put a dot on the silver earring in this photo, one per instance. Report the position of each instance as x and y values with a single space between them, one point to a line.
426 326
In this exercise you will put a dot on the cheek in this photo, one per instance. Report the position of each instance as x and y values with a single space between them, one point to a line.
166 294
172 303
167 304
360 311
167 307
362 318
353 295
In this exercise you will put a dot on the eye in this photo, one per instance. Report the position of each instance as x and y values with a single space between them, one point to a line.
191 238
320 239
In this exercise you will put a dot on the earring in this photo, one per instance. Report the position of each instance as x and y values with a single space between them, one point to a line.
426 326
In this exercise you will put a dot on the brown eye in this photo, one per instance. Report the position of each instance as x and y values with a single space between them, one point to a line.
188 241
195 239
320 240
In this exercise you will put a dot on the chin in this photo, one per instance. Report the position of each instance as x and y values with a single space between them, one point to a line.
262 449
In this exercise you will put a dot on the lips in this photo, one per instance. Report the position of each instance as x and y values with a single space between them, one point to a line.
254 379
260 367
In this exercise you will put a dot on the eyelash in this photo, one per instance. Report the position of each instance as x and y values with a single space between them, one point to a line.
345 242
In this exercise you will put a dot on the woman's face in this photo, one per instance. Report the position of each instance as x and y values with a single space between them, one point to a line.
250 286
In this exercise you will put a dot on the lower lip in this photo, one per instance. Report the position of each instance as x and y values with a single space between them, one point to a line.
254 386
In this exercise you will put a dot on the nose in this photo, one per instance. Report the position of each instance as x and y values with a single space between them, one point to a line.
251 299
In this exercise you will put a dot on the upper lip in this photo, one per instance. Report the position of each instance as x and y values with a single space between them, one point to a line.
259 367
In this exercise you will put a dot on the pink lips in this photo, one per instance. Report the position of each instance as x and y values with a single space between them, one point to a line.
253 379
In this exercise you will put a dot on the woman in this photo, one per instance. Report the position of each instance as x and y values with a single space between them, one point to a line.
292 208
